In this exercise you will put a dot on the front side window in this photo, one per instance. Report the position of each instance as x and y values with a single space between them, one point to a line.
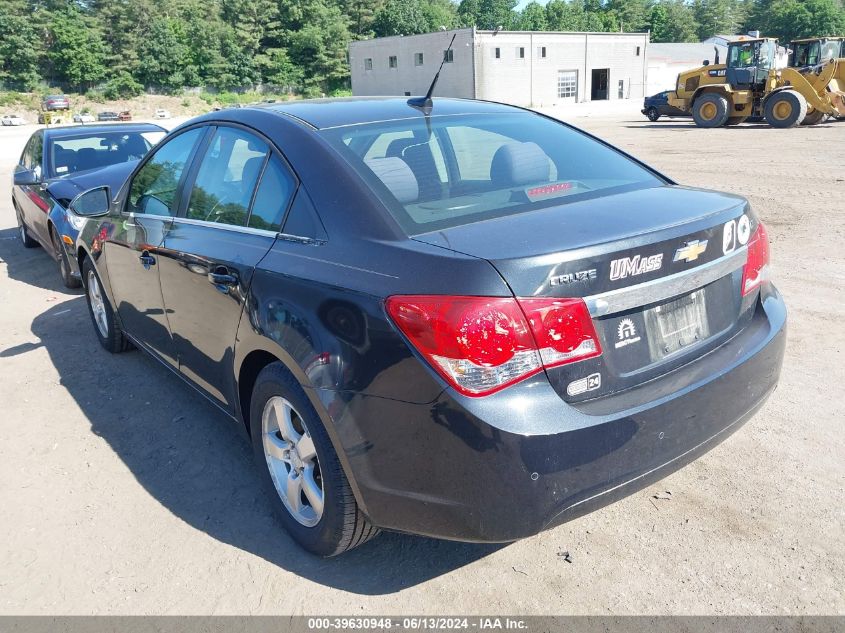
453 170
227 177
154 188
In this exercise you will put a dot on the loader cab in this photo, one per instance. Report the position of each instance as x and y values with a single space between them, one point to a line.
749 63
811 52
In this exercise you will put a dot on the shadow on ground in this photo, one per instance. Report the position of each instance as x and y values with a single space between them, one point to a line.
196 461
33 266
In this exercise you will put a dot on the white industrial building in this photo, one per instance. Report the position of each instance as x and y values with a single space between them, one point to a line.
667 61
526 68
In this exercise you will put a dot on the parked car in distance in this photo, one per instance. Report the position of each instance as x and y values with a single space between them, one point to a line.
161 113
125 115
55 102
428 317
12 119
657 106
59 163
84 117
108 116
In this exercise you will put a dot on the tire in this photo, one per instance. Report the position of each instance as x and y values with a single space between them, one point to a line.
735 120
23 233
339 526
64 265
814 118
710 110
106 327
786 108
652 114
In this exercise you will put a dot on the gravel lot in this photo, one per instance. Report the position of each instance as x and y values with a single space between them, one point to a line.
124 492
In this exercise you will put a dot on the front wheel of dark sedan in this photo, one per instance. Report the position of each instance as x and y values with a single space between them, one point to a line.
301 469
106 327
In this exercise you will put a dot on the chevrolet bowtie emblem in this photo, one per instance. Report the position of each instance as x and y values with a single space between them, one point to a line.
690 251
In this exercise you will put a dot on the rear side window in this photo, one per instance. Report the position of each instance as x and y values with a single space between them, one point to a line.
273 196
154 187
453 170
227 177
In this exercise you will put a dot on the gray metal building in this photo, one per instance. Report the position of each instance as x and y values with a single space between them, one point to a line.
527 68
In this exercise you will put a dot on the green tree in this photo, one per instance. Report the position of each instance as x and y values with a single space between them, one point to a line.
791 19
165 56
400 17
362 14
77 52
532 18
633 15
20 47
315 34
440 13
495 13
673 21
718 17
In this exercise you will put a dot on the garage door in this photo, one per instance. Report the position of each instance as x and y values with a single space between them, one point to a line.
567 85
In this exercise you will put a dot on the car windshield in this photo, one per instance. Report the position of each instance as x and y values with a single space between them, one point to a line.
453 170
74 154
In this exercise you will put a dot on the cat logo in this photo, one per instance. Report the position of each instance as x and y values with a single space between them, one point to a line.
690 251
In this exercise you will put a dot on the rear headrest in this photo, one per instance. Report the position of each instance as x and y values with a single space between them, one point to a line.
520 164
396 176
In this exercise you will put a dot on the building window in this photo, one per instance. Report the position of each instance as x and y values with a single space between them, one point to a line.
520 52
497 52
407 93
621 88
418 59
541 52
638 51
567 84
368 63
449 56
392 62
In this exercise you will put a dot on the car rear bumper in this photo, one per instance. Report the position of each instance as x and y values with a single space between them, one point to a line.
507 466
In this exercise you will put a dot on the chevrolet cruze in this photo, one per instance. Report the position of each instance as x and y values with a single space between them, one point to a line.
458 319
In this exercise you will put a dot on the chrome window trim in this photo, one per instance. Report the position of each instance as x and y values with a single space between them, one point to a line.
227 227
666 287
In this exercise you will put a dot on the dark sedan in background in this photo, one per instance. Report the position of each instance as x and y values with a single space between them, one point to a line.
59 163
657 106
458 319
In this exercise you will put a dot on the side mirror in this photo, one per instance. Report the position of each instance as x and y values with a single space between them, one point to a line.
91 203
25 177
706 62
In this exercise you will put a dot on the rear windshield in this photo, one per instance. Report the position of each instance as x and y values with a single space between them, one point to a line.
74 154
467 168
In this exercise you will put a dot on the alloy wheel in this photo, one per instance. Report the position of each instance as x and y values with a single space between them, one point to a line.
98 304
292 460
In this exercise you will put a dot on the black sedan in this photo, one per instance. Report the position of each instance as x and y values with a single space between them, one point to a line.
657 106
458 319
59 163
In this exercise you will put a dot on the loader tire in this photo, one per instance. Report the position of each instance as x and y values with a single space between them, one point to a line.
710 110
786 109
814 118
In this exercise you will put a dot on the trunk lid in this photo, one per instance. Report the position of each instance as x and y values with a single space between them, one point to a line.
659 268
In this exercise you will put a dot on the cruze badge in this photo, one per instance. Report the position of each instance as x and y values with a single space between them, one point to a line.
636 265
568 278
690 251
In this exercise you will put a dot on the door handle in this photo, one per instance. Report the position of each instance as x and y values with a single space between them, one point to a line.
221 276
147 260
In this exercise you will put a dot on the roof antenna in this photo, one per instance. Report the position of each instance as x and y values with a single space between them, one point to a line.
425 102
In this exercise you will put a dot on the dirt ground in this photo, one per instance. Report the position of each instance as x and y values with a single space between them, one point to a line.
122 492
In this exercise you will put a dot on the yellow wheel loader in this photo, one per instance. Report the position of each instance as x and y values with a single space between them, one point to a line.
807 56
750 84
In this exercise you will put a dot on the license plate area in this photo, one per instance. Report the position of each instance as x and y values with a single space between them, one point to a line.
677 325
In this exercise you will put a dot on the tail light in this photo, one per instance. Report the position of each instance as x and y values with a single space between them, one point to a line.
756 269
483 344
